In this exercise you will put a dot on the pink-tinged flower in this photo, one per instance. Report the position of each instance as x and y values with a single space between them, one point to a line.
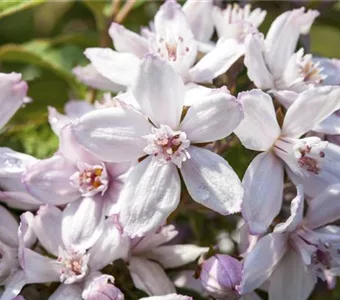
79 249
91 77
13 94
235 22
309 161
14 238
76 177
221 275
298 251
12 191
171 40
149 257
272 63
165 144
168 297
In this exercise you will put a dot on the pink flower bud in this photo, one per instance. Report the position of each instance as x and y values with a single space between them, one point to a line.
220 274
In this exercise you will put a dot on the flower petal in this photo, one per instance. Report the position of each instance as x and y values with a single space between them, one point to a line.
254 61
38 268
49 180
330 125
199 18
67 292
263 192
217 61
77 108
212 117
211 181
259 128
82 223
159 90
8 228
168 297
316 104
120 68
150 277
14 284
57 120
330 68
20 200
13 92
324 208
292 272
151 193
173 256
262 261
110 246
125 40
283 36
47 227
296 213
91 77
113 134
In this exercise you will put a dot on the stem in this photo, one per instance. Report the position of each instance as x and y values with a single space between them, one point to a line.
124 11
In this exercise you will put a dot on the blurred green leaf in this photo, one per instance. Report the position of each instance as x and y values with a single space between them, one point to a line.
325 40
11 7
39 53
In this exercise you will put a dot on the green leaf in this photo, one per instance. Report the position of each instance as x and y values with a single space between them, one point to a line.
39 53
97 8
11 7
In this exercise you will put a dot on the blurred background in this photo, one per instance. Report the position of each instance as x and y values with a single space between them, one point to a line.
44 40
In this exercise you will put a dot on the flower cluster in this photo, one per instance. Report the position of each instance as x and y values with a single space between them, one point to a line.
128 164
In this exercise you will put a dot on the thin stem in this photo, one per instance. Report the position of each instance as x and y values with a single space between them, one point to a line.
124 11
114 9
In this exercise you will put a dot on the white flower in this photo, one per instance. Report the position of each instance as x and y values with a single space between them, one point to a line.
166 142
309 161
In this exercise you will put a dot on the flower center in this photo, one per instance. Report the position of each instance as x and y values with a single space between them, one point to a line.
311 71
90 180
302 154
172 48
73 265
166 145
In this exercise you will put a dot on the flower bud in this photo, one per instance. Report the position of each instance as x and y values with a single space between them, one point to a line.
219 275
101 287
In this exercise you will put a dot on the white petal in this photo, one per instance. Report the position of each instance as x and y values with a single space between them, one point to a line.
13 286
195 92
291 272
57 120
185 280
324 208
110 246
283 36
67 292
330 125
159 90
49 180
150 277
82 223
125 40
91 77
217 61
151 193
211 181
47 227
199 16
113 134
262 192
168 297
286 98
38 268
77 108
296 213
8 228
259 128
262 261
120 68
153 240
254 61
20 200
26 234
173 256
316 104
212 117
13 92
330 68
